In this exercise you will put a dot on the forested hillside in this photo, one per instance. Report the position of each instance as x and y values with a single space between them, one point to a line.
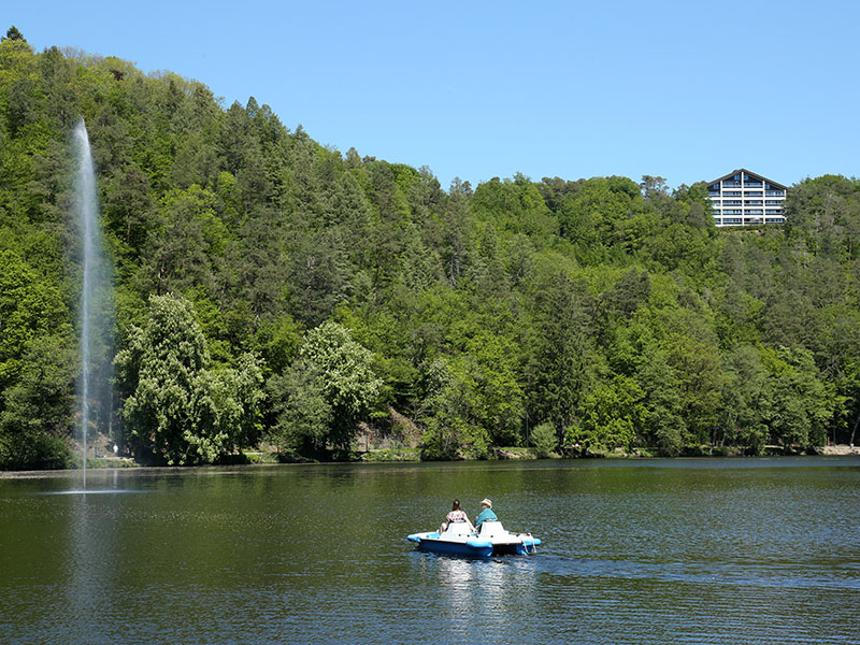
272 290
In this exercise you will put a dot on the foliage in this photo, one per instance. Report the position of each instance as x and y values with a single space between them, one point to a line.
326 392
543 438
612 310
179 409
451 428
37 408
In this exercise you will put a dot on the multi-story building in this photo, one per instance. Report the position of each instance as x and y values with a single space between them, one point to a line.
743 198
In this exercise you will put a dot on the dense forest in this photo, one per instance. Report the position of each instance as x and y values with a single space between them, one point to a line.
271 291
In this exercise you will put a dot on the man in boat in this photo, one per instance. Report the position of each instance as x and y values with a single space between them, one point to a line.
456 515
486 514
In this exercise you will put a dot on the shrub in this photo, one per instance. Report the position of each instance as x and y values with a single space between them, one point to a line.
543 440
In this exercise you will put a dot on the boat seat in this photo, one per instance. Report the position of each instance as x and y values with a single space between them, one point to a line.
459 528
492 529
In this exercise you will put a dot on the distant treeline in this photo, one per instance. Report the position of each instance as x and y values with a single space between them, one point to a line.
272 291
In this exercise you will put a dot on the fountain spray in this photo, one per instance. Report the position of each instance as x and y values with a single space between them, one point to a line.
96 314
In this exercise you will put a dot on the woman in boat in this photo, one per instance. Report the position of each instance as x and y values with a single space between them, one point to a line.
456 515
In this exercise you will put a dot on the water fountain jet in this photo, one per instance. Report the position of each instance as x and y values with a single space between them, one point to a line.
96 315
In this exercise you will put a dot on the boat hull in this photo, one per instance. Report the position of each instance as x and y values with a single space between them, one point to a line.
527 546
476 547
470 548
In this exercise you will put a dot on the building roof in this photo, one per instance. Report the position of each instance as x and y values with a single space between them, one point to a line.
752 174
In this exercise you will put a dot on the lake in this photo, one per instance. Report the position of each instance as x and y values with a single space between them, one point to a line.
700 551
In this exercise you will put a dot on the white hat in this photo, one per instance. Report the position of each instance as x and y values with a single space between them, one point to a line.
486 502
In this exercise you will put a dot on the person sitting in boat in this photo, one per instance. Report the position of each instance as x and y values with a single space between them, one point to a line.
456 515
486 514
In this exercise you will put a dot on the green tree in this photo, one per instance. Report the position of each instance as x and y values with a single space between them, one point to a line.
451 431
37 412
544 440
303 416
189 241
802 404
515 205
177 409
559 368
610 414
30 307
326 393
493 394
13 34
747 400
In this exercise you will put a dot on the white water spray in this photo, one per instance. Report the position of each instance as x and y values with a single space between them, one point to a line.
96 305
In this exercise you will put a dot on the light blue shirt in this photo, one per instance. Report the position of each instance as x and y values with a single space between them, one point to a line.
485 515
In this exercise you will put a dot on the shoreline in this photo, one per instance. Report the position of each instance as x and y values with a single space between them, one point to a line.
836 451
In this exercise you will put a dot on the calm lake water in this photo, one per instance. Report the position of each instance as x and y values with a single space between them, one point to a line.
648 551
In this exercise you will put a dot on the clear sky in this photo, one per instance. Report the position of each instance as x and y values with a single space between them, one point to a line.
685 90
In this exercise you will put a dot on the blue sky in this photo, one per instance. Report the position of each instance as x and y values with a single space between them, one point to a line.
684 90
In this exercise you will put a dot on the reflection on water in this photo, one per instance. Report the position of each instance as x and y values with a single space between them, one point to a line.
704 551
466 585
84 577
92 491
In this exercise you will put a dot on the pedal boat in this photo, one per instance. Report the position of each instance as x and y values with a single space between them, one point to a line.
460 539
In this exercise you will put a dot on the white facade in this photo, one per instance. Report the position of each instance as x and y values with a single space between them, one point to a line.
743 198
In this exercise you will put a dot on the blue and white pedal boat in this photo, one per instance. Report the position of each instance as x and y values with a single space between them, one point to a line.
460 539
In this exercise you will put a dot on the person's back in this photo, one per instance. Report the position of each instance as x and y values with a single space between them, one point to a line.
455 516
486 514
